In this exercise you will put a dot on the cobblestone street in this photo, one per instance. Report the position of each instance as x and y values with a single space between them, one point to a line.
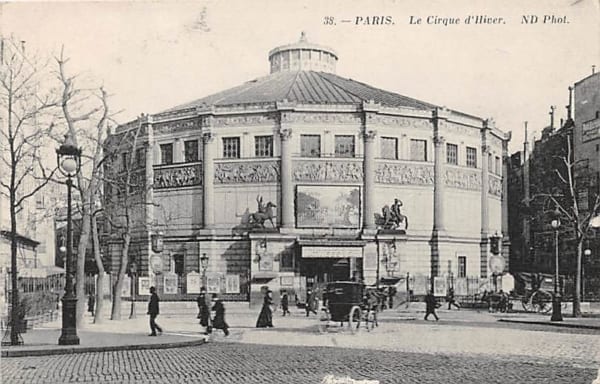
398 351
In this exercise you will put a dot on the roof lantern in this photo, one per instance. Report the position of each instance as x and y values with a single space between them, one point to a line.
302 56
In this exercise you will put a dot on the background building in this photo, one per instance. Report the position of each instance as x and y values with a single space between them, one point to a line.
290 180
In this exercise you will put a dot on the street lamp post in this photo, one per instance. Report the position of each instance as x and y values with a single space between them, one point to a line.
132 273
204 265
556 299
587 253
68 157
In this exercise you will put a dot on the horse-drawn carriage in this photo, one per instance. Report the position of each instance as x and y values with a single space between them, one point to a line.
350 304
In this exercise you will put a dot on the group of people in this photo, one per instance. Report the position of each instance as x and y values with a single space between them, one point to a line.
431 303
217 322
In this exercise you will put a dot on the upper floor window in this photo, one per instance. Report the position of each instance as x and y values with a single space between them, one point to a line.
490 163
418 150
263 146
231 147
191 151
124 161
166 153
471 157
344 145
310 145
498 166
389 148
140 156
452 153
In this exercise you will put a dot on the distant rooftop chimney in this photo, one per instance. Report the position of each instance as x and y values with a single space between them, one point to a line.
302 56
552 108
570 106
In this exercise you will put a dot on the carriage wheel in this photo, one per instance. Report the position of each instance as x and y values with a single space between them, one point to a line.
354 319
371 319
541 302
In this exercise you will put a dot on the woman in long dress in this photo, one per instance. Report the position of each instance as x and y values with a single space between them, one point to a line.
218 322
265 318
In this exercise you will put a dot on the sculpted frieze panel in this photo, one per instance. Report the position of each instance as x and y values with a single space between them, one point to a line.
177 126
495 186
175 177
331 118
328 171
399 121
243 120
463 179
410 174
247 172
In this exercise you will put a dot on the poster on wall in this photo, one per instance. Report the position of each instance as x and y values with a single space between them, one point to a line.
143 285
213 283
319 206
193 282
171 281
439 286
232 284
266 262
460 286
420 284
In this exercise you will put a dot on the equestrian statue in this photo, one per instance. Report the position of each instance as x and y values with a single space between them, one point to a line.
264 213
392 217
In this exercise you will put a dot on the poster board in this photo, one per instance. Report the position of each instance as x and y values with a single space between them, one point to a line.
213 283
171 281
143 285
232 284
440 286
193 282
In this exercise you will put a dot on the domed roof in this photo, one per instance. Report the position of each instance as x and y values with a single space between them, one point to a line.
305 87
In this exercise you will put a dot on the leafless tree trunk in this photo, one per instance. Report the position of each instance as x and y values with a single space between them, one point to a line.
26 124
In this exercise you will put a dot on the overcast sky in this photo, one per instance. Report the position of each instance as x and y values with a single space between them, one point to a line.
155 55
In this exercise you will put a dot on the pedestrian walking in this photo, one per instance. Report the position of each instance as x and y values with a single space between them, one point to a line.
452 300
309 303
203 311
430 306
153 311
285 303
91 303
265 318
218 321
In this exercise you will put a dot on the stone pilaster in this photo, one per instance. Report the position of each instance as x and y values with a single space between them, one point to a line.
505 238
369 165
487 125
440 117
150 218
208 169
287 186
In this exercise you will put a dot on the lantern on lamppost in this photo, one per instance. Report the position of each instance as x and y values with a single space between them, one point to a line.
68 158
556 299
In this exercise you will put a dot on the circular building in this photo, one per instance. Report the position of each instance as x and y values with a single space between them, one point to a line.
302 177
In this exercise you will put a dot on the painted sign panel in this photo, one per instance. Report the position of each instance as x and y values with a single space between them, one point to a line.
193 282
439 286
213 283
331 252
319 206
590 130
170 283
143 285
232 284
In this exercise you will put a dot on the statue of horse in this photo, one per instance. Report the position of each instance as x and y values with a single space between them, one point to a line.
259 218
388 219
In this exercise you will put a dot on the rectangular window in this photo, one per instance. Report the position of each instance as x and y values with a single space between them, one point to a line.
498 166
344 146
418 150
124 161
140 157
471 157
191 151
310 145
263 146
452 153
166 153
490 164
389 148
231 147
462 266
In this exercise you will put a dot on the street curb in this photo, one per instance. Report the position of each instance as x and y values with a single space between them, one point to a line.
109 348
554 324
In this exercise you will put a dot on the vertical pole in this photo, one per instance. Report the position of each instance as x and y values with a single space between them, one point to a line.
69 325
556 262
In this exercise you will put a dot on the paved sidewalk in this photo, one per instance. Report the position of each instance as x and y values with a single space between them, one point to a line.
181 328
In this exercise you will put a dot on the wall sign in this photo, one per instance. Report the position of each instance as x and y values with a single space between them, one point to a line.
331 252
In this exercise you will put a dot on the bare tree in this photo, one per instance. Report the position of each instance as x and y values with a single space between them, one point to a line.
86 114
564 187
26 124
125 187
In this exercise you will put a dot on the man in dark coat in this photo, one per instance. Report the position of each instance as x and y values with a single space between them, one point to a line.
153 312
218 321
285 303
430 306
451 299
203 311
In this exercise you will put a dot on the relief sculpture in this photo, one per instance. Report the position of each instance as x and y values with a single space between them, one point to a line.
328 171
248 172
495 186
178 177
387 173
463 179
